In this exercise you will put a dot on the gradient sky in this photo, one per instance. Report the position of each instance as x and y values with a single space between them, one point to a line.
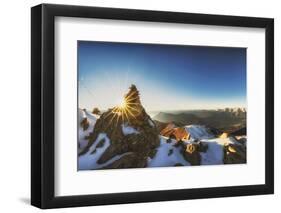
169 77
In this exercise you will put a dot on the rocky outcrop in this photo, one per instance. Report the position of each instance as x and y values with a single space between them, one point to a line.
178 133
130 130
234 154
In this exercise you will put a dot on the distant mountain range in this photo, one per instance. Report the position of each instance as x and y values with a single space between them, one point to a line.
227 120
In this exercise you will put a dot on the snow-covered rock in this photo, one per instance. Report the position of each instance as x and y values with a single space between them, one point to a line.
216 151
167 155
214 154
89 160
82 134
127 130
198 132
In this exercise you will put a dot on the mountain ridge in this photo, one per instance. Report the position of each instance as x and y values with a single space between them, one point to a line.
125 136
224 120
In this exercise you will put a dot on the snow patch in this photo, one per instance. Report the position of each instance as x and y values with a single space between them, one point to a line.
89 160
213 155
82 114
151 123
162 158
198 132
92 116
127 130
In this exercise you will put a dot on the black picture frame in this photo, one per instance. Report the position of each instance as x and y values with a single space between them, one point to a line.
43 110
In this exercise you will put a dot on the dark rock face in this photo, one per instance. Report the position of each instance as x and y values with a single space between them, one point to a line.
85 124
132 160
139 144
234 154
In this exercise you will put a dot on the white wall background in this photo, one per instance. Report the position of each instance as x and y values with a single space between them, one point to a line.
15 104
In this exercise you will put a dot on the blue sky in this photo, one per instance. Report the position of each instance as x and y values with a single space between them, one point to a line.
169 77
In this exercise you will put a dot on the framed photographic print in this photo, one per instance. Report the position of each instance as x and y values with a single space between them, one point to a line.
139 106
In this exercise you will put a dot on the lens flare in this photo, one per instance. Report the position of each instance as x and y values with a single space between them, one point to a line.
122 104
125 110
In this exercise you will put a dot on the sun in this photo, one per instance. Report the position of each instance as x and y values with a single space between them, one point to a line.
125 109
122 104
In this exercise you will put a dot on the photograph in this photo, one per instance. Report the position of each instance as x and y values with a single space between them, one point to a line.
160 105
135 105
